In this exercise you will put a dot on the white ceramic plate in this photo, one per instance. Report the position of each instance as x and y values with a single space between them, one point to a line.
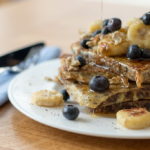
32 80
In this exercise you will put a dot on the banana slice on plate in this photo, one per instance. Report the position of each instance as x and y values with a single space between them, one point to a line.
135 118
47 98
138 33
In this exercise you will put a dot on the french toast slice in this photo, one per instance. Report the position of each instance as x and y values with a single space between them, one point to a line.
111 100
134 70
71 72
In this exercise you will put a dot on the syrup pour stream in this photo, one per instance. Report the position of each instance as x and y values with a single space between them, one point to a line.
101 11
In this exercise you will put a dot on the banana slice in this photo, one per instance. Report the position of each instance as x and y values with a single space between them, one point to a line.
97 25
135 118
131 21
47 98
113 44
139 33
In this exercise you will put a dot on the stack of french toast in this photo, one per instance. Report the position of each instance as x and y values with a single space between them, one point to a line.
109 68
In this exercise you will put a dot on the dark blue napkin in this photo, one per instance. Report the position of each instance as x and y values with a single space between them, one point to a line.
46 53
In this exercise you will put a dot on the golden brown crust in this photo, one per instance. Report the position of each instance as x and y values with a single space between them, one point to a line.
84 74
135 70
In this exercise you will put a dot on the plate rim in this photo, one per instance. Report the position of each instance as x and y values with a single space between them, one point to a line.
31 116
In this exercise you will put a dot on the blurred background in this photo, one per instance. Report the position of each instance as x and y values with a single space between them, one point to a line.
57 22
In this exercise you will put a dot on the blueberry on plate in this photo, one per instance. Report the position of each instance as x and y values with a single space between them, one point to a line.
105 22
70 112
96 32
145 53
105 30
99 83
146 18
134 52
65 94
81 60
84 43
114 24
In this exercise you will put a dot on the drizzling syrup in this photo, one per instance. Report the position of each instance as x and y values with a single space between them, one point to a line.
101 11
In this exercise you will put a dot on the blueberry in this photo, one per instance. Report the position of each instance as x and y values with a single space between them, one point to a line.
70 112
114 24
134 52
105 22
99 83
146 18
105 31
65 94
145 53
84 43
96 32
81 60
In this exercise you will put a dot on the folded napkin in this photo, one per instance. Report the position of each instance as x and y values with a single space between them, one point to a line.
46 53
